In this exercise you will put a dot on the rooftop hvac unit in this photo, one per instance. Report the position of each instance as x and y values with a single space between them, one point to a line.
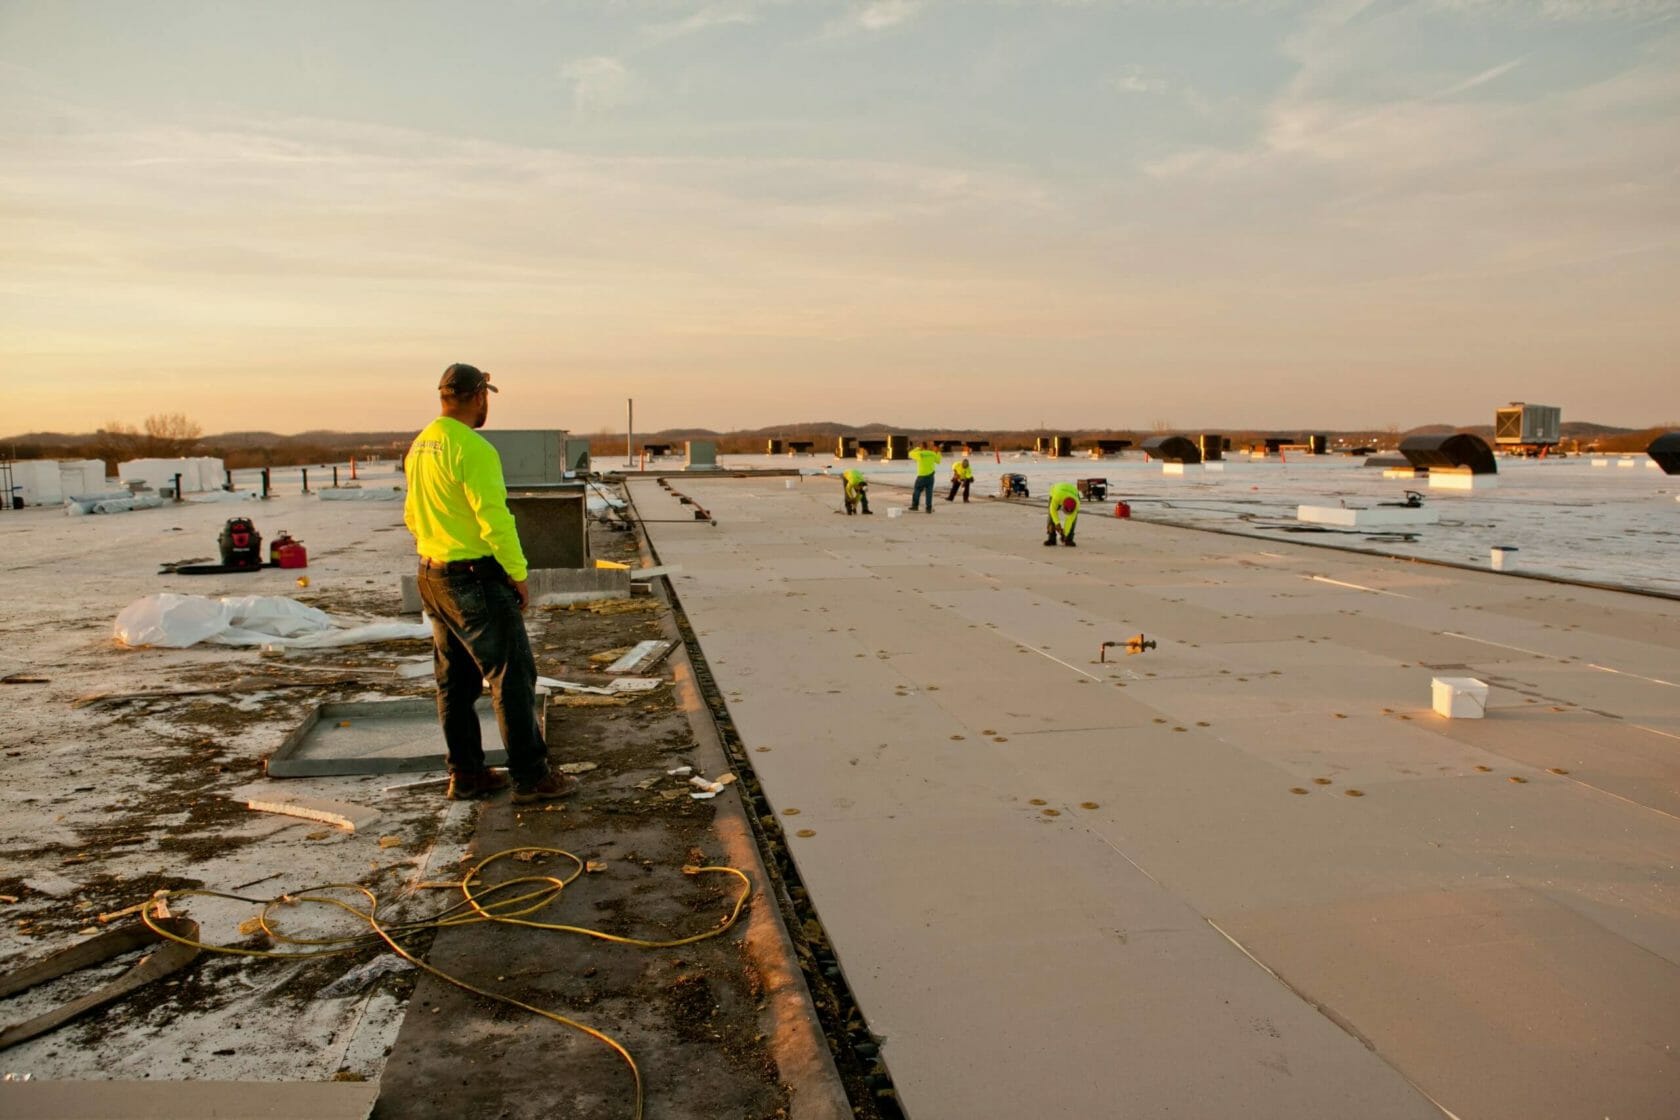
1527 424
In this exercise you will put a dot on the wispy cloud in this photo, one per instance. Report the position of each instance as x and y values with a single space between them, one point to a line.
599 83
1475 80
1134 80
712 15
877 15
1565 10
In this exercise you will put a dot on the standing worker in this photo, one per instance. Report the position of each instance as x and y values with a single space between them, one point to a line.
1064 513
472 583
962 475
927 464
856 489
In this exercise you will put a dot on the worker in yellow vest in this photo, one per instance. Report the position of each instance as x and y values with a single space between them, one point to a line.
962 476
1064 514
856 491
927 464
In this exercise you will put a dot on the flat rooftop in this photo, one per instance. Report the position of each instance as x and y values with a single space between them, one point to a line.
1249 873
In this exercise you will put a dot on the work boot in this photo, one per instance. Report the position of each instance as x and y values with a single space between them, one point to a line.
467 785
1068 542
554 785
1050 541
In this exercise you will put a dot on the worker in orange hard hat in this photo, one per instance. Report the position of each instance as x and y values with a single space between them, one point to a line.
1064 514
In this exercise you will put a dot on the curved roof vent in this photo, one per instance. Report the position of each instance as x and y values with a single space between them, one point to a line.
1444 452
1172 449
1665 449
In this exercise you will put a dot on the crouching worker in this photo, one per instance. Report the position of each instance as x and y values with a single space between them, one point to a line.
962 477
1064 514
856 491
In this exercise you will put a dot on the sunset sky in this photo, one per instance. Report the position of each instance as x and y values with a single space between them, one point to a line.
294 215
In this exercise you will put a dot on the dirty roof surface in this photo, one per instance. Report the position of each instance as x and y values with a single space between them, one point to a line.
1250 872
112 799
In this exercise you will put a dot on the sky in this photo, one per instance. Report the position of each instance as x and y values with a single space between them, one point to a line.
1337 215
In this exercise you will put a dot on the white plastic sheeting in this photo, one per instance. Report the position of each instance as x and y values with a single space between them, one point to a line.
178 621
212 475
111 503
347 494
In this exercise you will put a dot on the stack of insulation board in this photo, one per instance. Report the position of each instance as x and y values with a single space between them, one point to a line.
197 475
81 476
36 481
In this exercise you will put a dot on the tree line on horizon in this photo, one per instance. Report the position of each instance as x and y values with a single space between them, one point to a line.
173 435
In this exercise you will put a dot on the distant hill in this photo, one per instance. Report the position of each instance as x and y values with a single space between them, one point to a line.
260 448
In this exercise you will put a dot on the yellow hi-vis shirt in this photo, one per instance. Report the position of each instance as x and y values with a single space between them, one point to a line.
962 472
1060 492
926 461
457 502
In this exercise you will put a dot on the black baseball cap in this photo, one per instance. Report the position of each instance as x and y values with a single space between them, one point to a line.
462 380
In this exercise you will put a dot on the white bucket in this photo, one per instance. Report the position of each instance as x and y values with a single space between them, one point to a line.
1502 557
895 511
792 482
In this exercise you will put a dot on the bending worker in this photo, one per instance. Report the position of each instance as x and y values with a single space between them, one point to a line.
1064 513
962 475
927 463
472 584
856 491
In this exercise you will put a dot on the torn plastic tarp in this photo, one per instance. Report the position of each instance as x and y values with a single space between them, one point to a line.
178 621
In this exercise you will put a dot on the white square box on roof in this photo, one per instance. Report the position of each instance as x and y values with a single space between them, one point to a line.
1460 697
37 482
81 476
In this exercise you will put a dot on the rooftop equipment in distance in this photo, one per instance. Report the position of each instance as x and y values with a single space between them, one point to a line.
1172 449
1093 489
1454 451
1213 447
1665 449
1520 425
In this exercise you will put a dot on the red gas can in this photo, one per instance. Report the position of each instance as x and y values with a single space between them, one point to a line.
291 556
1122 509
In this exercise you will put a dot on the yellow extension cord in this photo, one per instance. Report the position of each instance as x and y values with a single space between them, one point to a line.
483 905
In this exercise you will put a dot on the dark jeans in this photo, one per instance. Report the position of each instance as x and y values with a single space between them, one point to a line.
1050 527
478 636
964 484
924 485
